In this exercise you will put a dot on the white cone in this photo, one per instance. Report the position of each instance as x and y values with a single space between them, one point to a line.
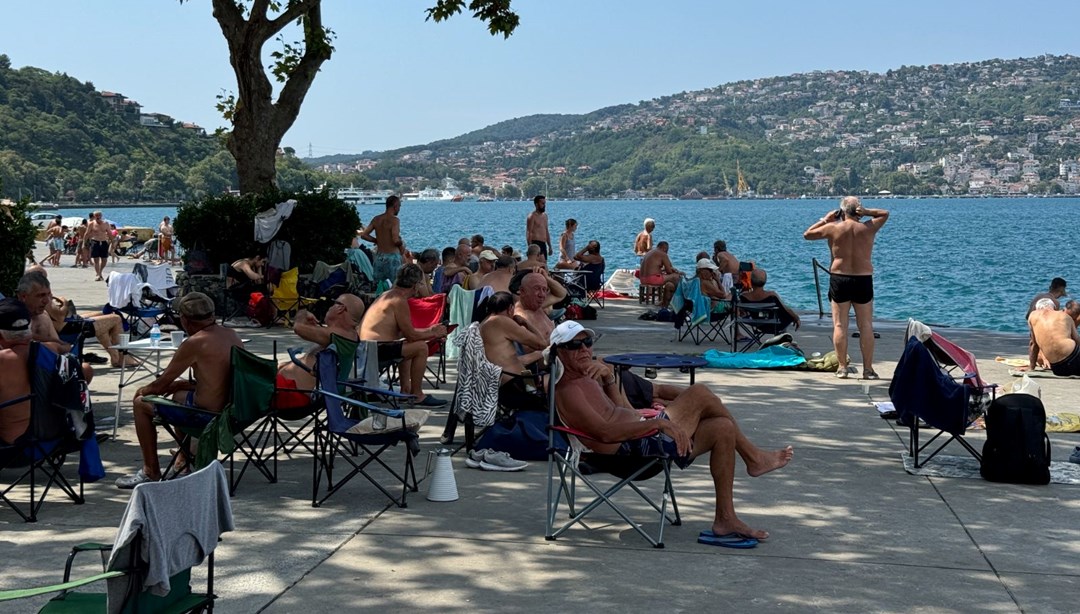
443 485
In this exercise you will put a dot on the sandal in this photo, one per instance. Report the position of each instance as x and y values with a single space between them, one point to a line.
870 374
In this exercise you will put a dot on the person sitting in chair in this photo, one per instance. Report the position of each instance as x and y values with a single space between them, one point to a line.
504 333
106 328
248 272
758 294
389 322
696 422
35 292
1053 333
341 319
708 275
15 339
207 351
657 270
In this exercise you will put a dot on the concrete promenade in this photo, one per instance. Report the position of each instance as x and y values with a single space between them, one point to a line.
851 530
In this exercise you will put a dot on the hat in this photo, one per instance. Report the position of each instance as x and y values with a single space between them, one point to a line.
567 331
487 254
13 315
195 305
516 255
705 263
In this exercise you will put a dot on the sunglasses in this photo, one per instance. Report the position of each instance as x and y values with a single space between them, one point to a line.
576 345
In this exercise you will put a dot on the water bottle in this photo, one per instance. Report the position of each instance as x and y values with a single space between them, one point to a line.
155 336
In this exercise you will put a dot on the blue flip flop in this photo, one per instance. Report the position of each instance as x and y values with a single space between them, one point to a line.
730 540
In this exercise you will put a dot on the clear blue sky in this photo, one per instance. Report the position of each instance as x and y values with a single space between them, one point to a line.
396 80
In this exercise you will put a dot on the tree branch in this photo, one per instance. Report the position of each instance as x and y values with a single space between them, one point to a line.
258 10
316 51
294 11
228 14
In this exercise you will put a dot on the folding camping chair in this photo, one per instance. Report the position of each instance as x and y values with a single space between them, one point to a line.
154 577
937 382
137 304
247 427
565 471
425 313
752 321
695 316
159 277
338 434
286 297
37 457
594 284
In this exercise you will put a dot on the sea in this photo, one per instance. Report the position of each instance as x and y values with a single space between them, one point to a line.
966 262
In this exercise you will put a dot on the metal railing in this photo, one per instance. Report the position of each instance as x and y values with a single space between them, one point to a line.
815 265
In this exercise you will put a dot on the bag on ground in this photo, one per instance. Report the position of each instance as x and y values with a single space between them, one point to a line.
1017 449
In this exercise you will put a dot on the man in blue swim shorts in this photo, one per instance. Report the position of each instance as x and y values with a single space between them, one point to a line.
851 283
389 247
696 422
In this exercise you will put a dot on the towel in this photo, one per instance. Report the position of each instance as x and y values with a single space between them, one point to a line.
269 222
478 379
461 311
772 357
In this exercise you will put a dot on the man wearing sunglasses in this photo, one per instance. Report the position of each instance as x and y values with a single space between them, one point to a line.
696 422
341 319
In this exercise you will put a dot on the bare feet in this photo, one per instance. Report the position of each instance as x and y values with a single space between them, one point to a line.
769 461
740 528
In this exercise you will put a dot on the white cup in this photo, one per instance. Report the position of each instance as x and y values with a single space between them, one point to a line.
866 387
124 339
177 337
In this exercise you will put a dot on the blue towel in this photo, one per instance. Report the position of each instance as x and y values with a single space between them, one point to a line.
360 260
920 388
772 357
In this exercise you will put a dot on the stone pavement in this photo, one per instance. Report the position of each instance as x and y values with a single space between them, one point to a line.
851 531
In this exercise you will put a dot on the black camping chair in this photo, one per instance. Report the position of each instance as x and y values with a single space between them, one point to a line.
753 321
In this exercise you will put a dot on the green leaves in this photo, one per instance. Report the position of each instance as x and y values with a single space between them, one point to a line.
495 13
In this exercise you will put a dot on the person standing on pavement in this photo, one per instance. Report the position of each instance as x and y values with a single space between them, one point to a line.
536 226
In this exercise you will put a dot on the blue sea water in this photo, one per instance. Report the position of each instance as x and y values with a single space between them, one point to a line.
961 262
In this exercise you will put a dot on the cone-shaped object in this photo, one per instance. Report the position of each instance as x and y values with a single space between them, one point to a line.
442 486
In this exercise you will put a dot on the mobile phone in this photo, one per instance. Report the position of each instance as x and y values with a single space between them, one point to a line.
450 328
839 214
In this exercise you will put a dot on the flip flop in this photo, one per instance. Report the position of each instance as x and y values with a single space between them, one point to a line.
730 540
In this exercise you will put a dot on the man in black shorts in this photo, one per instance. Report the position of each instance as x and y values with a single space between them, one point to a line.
851 241
536 226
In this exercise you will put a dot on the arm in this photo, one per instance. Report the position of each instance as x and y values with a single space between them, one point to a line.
878 217
166 382
245 268
556 291
307 328
525 334
395 235
528 228
365 234
819 229
423 289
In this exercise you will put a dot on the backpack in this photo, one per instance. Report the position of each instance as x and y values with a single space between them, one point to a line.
1017 449
261 309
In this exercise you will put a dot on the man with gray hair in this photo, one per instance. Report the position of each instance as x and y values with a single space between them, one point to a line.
643 240
1054 335
851 276
14 375
35 292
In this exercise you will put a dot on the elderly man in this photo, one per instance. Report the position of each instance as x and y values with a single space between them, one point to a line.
341 319
389 248
389 322
643 240
536 293
851 276
758 293
428 261
475 281
708 275
14 375
504 333
657 270
696 422
35 292
207 351
499 279
1054 335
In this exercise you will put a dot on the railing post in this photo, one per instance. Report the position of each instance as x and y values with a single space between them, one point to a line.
817 287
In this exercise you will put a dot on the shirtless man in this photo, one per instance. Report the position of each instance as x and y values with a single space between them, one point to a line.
536 227
708 275
82 252
499 279
389 248
341 319
643 240
207 351
657 270
98 238
388 322
166 251
54 238
14 375
428 261
535 295
475 281
106 328
851 241
534 258
727 263
1056 291
1054 334
758 293
696 422
35 292
503 333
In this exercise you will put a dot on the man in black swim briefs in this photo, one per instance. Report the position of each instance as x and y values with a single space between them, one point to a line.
851 242
1054 335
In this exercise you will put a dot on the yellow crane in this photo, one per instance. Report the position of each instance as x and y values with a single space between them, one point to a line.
741 187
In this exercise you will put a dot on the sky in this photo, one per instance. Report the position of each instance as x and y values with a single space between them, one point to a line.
397 80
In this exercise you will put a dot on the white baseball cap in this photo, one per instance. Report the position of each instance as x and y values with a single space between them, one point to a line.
705 263
567 331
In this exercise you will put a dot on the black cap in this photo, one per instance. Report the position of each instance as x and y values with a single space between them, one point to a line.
13 315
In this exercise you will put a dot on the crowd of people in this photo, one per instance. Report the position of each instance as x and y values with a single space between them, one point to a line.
95 241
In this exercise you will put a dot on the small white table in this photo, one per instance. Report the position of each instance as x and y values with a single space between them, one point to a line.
148 358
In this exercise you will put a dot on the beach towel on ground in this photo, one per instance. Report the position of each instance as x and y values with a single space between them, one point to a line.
772 357
1062 422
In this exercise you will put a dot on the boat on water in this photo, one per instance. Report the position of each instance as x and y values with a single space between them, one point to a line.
355 196
448 193
485 199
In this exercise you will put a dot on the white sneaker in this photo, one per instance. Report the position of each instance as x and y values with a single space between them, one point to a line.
490 460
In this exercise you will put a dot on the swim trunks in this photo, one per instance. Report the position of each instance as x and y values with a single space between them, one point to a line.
653 280
543 248
286 396
386 266
164 245
858 289
57 244
99 249
1069 366
514 396
389 350
655 445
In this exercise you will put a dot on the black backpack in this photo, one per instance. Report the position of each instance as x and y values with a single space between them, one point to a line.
1017 449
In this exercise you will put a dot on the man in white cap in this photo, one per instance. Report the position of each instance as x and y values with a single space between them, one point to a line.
694 423
475 281
643 241
709 275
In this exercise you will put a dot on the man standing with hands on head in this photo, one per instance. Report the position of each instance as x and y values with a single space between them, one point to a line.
851 276
536 227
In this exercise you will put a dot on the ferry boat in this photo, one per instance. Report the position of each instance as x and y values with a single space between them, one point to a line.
448 193
355 196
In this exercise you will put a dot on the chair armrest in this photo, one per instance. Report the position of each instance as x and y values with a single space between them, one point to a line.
84 547
293 353
156 400
391 413
11 402
24 593
383 392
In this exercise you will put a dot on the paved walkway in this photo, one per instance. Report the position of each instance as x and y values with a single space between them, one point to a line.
851 531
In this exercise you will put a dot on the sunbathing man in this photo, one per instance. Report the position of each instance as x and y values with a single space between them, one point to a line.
389 248
536 293
15 339
643 240
389 322
696 422
341 319
657 270
1056 291
106 328
499 279
504 333
1054 334
35 292
428 261
758 293
534 258
207 351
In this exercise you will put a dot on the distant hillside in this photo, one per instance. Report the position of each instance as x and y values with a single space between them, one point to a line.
62 139
992 127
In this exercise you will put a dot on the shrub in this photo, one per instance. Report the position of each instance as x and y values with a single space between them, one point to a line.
17 236
320 227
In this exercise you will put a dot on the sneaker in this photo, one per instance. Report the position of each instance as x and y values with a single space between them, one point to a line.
131 481
1075 456
474 458
490 460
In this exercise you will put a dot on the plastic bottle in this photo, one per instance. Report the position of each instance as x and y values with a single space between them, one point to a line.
155 336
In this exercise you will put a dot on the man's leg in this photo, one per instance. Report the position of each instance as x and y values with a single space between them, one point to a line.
698 404
716 436
107 329
413 362
864 319
840 313
147 434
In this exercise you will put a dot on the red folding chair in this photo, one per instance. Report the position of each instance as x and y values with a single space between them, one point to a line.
427 312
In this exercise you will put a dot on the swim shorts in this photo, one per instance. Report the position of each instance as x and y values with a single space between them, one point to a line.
655 445
164 245
653 280
99 249
56 244
386 266
543 248
389 350
1069 366
286 396
514 396
858 289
